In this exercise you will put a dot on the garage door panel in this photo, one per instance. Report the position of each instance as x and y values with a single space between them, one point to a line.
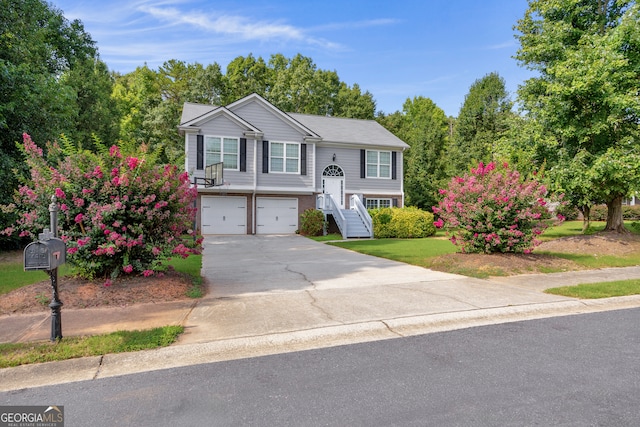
224 215
276 215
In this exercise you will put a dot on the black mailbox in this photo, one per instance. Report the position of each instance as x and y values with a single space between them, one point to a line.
45 254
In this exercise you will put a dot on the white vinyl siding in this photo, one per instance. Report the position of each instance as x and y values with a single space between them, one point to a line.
222 149
284 157
378 164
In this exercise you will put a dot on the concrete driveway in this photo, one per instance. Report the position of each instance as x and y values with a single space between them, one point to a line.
261 285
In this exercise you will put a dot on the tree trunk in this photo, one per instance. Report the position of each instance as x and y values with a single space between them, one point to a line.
614 216
586 217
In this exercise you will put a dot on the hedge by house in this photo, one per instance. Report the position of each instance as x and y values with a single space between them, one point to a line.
402 223
312 222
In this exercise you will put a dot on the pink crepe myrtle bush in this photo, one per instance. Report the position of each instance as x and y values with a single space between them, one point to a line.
117 214
493 209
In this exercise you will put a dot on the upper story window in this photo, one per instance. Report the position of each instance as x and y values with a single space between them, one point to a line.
378 164
222 149
284 157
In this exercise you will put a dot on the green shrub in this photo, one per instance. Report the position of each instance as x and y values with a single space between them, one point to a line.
629 213
312 222
382 227
570 213
403 223
598 213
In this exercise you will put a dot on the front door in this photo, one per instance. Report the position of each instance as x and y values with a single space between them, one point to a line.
334 186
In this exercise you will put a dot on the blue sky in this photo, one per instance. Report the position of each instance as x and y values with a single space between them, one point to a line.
394 49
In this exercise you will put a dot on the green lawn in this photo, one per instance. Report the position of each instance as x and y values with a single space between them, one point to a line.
573 228
190 265
599 290
412 251
14 276
568 228
422 252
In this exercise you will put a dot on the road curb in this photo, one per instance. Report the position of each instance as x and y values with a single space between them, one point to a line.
181 355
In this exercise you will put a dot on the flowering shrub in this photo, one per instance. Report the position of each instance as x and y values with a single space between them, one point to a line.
117 214
402 223
493 210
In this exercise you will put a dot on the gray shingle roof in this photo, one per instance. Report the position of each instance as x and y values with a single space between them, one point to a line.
191 111
356 131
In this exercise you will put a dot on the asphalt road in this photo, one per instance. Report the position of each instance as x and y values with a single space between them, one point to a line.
581 370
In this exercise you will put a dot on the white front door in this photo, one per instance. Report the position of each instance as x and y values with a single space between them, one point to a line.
335 187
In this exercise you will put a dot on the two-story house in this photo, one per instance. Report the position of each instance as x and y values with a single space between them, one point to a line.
276 165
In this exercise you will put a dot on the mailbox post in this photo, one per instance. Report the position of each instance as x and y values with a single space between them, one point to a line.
47 254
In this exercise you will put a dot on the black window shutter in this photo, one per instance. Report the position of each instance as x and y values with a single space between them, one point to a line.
394 168
265 156
303 159
243 154
363 164
395 203
200 152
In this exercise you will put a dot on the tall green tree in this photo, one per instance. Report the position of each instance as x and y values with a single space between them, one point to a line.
298 86
150 103
244 76
96 113
136 93
482 122
587 57
37 46
425 127
351 102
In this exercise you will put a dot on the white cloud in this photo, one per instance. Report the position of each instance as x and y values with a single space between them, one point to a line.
243 27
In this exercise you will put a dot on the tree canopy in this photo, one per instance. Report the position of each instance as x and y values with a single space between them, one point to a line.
38 47
425 127
483 119
587 56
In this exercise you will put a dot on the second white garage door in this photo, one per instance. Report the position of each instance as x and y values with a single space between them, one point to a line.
224 215
276 215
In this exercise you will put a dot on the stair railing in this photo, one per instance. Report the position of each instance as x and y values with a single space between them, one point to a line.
356 204
327 203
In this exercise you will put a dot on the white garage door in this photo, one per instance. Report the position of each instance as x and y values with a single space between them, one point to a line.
276 216
224 215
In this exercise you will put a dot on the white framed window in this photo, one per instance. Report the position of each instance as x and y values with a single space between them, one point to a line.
222 149
379 164
378 203
284 157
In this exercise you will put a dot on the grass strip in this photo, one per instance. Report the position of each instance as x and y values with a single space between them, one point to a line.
599 290
97 345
